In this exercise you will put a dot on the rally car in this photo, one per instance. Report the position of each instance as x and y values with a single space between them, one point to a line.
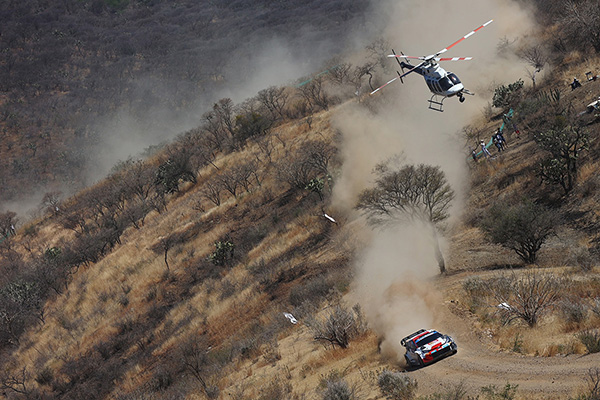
426 346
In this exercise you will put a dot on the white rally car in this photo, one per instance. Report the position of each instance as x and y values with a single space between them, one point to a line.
426 346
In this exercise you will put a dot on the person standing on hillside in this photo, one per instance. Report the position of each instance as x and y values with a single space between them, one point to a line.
500 137
497 143
484 149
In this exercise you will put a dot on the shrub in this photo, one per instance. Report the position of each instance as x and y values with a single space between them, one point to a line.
396 385
591 340
223 252
574 312
508 392
334 387
507 96
476 291
338 328
527 297
524 228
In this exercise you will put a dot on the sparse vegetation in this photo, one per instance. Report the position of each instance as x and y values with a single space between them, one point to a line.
338 327
591 340
396 385
170 278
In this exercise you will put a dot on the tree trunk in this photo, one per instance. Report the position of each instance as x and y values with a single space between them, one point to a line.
438 252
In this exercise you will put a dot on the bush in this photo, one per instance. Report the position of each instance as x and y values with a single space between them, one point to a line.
476 290
591 340
508 392
223 252
396 385
339 327
334 387
574 312
524 228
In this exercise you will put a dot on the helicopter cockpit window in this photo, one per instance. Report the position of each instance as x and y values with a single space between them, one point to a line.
445 83
430 85
454 78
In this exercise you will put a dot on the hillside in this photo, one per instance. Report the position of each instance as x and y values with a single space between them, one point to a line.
171 277
85 84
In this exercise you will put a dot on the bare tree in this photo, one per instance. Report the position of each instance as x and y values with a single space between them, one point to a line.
581 21
535 57
17 381
528 296
593 380
195 354
274 100
211 190
420 192
337 328
166 243
219 123
314 94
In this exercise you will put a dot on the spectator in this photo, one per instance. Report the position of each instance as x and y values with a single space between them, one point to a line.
484 149
501 139
497 143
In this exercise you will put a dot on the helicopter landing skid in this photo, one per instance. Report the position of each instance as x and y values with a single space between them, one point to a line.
435 104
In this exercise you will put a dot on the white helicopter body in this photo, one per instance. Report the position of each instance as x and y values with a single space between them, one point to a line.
441 83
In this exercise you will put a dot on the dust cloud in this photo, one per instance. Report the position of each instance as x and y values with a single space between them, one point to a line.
395 271
260 61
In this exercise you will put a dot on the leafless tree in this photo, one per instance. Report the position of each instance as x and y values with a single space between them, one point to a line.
338 327
527 296
414 192
219 123
274 100
196 357
211 190
535 57
378 51
17 381
367 69
166 243
340 74
314 94
581 21
593 380
51 202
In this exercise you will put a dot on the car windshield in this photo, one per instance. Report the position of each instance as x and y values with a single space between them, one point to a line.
428 339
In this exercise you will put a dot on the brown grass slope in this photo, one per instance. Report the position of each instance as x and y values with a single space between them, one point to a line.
130 325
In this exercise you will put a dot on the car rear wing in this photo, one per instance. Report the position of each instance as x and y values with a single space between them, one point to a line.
403 341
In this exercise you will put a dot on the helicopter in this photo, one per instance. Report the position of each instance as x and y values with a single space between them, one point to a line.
441 83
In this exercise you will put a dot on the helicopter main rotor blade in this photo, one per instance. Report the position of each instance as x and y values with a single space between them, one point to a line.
453 58
396 78
463 38
384 85
403 56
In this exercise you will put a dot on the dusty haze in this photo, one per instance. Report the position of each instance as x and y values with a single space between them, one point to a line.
393 280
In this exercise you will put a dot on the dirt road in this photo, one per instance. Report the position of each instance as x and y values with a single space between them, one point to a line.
478 364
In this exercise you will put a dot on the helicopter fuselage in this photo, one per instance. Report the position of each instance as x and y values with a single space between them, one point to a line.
438 81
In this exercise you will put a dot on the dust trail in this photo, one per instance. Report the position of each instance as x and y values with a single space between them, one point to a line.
394 272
